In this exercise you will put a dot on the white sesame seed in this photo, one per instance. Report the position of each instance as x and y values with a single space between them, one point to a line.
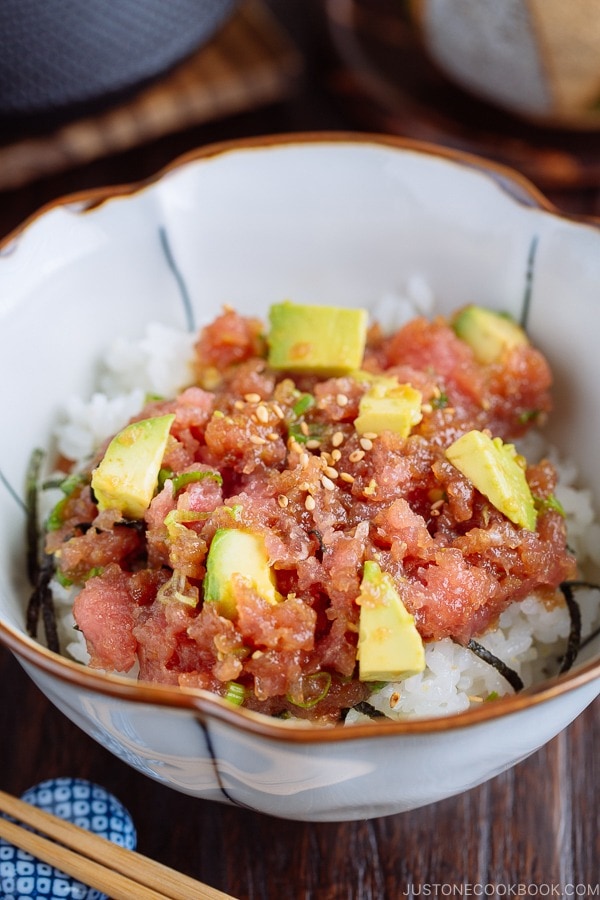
346 476
335 455
341 400
252 398
370 435
309 503
238 404
262 413
278 411
272 436
327 483
304 457
304 428
331 472
366 443
313 444
356 456
337 439
257 439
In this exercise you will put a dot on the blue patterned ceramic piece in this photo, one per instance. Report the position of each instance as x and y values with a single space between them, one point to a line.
85 804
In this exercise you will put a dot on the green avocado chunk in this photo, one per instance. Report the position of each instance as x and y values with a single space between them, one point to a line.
389 645
127 476
489 334
321 340
235 552
498 472
389 406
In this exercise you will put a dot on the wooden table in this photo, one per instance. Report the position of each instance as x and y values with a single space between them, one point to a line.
532 831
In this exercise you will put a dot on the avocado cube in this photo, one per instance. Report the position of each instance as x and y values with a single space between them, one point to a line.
320 340
389 406
389 644
127 476
235 552
498 472
489 334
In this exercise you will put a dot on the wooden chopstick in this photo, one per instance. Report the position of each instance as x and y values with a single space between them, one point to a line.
122 874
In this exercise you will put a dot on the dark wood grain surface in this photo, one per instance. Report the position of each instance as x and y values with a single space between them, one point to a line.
533 831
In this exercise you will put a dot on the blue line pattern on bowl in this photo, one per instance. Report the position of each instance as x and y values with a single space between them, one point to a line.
181 283
13 493
529 275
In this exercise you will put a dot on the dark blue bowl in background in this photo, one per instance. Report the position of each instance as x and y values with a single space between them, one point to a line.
64 57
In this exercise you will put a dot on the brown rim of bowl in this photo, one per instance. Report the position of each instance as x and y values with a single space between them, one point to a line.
516 185
204 704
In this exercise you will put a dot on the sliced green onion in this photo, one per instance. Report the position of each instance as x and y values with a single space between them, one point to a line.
441 401
236 511
235 693
528 415
66 485
163 475
62 579
72 482
295 432
317 679
56 516
313 432
178 588
180 481
303 404
542 504
175 521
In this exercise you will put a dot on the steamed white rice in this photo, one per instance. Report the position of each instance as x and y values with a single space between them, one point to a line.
530 636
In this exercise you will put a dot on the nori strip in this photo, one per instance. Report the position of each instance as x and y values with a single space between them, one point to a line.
31 504
591 636
367 709
513 678
41 601
319 537
574 643
40 567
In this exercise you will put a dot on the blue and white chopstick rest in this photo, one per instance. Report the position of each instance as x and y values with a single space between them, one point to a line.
22 877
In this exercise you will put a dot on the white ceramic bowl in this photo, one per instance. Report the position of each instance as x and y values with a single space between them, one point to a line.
336 219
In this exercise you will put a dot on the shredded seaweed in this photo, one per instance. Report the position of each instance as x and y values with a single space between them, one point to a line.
588 640
41 602
367 709
32 479
319 537
575 642
40 566
513 678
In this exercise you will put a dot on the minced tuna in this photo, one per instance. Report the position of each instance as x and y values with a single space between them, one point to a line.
279 456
